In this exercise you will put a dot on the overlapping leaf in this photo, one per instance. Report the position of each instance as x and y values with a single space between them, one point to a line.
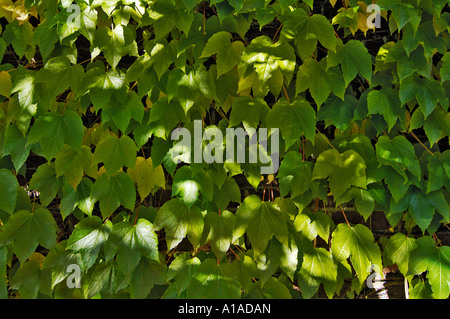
262 221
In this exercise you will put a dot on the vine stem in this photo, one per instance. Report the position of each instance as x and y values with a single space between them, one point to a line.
235 254
303 149
137 213
326 140
420 142
238 248
286 94
276 33
345 216
90 131
204 19
134 84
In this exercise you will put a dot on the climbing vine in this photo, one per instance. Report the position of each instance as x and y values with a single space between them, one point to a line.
98 200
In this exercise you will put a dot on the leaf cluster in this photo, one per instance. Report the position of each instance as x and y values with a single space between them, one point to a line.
88 175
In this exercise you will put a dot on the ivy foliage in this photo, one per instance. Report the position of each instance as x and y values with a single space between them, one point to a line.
91 91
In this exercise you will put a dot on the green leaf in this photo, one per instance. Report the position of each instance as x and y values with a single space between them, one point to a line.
295 174
115 153
112 191
58 74
266 58
363 146
121 112
5 81
187 187
178 220
353 58
420 289
19 35
270 289
314 76
262 221
27 279
435 260
228 54
428 93
106 278
408 63
285 256
421 209
365 200
53 130
16 146
45 36
3 277
73 164
438 171
182 269
145 276
189 86
399 154
387 103
220 231
313 224
228 192
8 190
115 43
58 260
88 238
46 182
28 230
422 206
164 117
426 35
403 13
356 242
28 90
436 126
162 55
317 267
81 198
342 170
168 15
248 111
445 68
129 242
294 120
189 184
338 112
102 85
307 30
88 21
214 281
2 48
398 250
147 178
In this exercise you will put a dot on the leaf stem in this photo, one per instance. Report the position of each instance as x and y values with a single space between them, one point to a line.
235 254
204 18
286 94
90 131
326 140
276 33
420 142
137 213
345 216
